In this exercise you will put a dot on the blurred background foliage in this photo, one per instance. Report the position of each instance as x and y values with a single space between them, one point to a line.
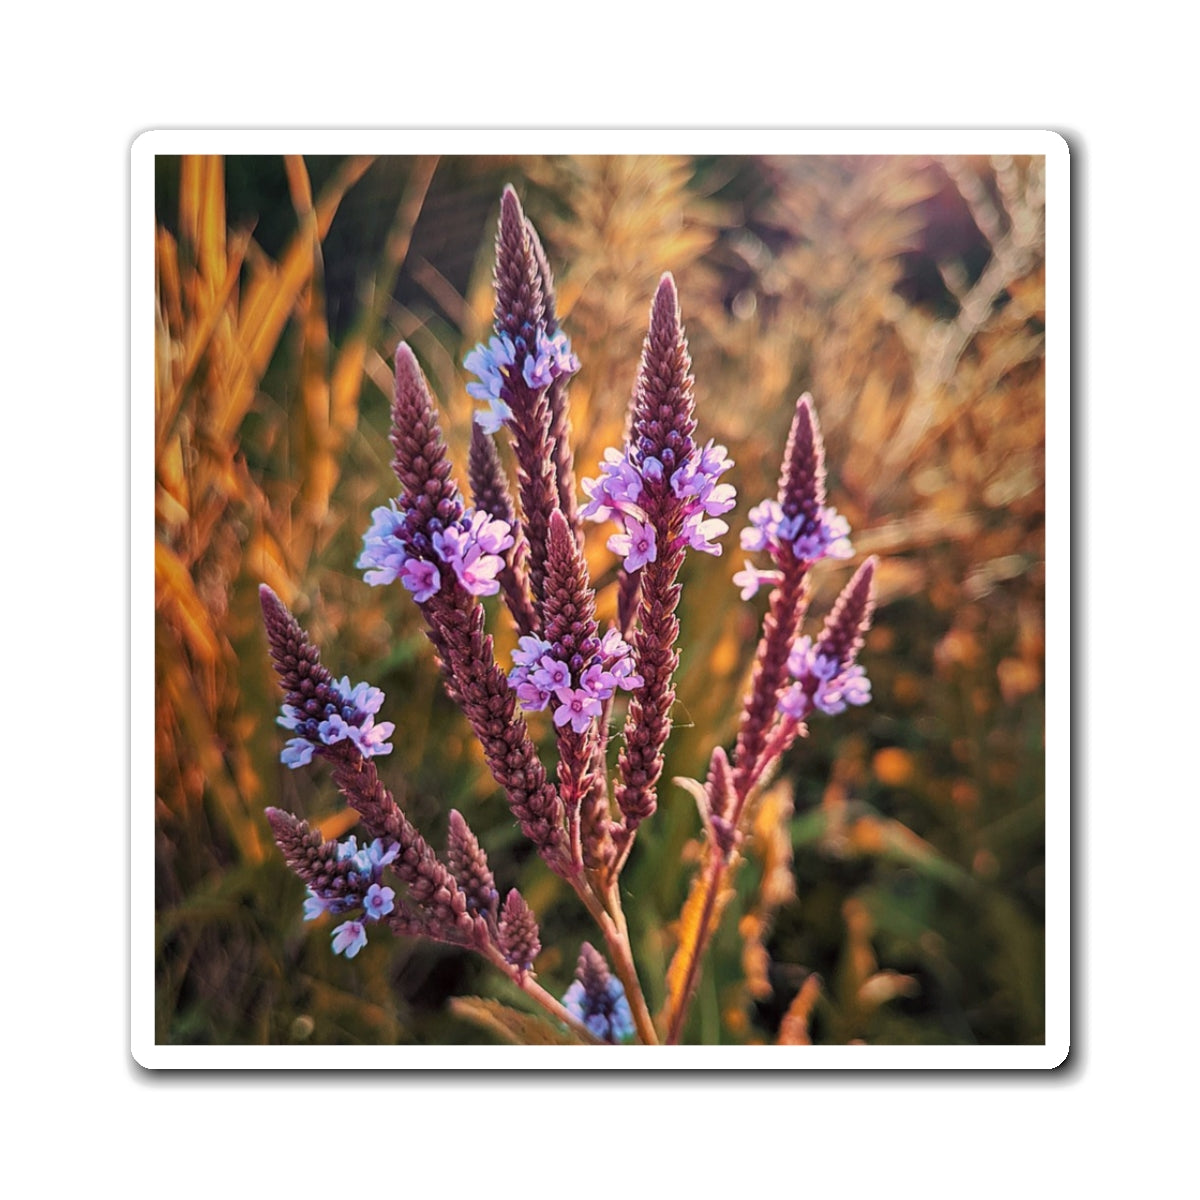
894 889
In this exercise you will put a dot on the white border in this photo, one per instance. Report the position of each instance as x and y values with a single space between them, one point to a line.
1058 588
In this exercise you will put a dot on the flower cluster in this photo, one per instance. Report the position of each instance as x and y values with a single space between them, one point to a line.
575 690
359 887
597 998
822 682
618 492
345 713
807 539
503 358
798 529
471 547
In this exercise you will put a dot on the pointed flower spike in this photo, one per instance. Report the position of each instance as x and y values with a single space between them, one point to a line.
850 618
827 675
519 306
469 865
597 998
661 430
518 933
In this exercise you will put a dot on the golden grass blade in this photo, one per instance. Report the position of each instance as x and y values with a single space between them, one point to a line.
521 1029
693 931
175 593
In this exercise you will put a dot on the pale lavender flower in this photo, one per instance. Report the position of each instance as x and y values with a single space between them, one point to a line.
532 697
349 938
472 549
334 730
529 651
379 856
371 739
751 578
378 902
314 906
297 753
698 533
422 578
492 534
477 572
551 359
384 552
616 490
365 698
551 674
597 999
577 706
636 545
491 362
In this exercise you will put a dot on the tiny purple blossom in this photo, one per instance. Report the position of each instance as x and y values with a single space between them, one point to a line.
699 533
532 697
622 671
751 579
551 674
492 534
291 717
576 706
314 906
637 544
378 902
380 857
477 571
334 730
490 363
598 682
617 489
383 551
347 849
421 578
530 649
371 739
349 938
365 698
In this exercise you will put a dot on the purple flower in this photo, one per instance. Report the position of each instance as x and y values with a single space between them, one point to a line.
384 550
699 533
378 856
577 706
349 938
378 902
552 359
751 579
597 998
529 651
297 753
334 730
371 739
471 548
492 534
491 364
622 671
477 572
617 490
551 674
314 906
365 698
532 697
636 544
598 682
822 682
421 578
